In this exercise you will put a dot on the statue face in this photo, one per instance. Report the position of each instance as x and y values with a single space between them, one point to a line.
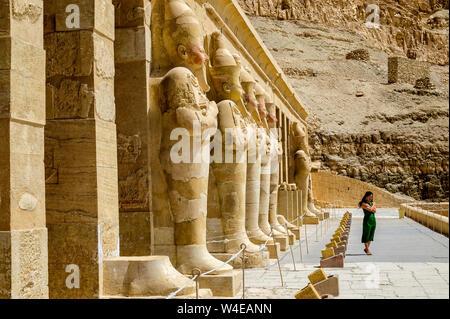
194 56
271 116
249 95
227 84
262 106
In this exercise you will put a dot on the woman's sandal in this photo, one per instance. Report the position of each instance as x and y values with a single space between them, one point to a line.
365 250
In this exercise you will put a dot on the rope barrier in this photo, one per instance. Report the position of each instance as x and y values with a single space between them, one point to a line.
195 277
173 294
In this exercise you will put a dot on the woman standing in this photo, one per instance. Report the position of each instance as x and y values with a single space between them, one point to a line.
369 222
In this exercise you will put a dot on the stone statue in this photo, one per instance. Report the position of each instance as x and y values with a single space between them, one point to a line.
183 104
268 107
302 165
230 176
253 182
266 159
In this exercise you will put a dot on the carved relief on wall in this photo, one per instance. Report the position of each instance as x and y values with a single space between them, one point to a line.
27 9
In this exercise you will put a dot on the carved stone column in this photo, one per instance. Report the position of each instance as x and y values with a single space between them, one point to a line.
80 145
23 235
131 86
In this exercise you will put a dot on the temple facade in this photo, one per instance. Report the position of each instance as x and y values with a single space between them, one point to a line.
142 141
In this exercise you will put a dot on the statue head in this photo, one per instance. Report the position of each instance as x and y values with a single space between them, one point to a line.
184 40
248 85
261 99
271 111
225 70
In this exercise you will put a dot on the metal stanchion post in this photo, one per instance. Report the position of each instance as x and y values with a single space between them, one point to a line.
306 240
278 259
299 234
243 247
196 272
290 247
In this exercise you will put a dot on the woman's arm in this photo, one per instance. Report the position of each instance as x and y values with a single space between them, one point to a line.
369 208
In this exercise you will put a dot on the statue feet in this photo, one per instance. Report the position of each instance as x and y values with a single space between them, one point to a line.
190 257
258 237
234 245
282 221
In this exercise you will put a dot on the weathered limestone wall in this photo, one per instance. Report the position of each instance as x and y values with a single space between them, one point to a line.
404 70
399 163
411 25
80 146
329 187
422 213
132 49
23 233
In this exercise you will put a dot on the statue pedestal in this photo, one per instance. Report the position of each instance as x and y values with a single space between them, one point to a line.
340 250
283 241
292 239
329 286
336 261
321 216
254 260
274 250
224 285
309 220
296 232
147 276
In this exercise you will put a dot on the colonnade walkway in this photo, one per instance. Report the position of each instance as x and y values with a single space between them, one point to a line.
409 261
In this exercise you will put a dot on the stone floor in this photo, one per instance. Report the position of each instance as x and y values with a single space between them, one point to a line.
408 261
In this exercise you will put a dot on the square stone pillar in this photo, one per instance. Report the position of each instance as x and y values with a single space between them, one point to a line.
132 62
80 145
23 235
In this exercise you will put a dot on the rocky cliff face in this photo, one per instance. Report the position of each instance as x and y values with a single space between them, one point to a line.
421 25
392 135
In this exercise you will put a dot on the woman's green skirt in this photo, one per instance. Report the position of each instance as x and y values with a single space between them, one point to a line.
369 225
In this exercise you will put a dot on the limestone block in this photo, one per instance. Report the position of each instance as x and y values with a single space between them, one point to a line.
23 268
132 44
224 285
69 54
404 70
317 276
22 20
132 13
142 276
328 286
95 15
309 220
328 252
309 292
283 203
283 241
274 250
336 261
22 97
27 189
135 235
29 274
5 265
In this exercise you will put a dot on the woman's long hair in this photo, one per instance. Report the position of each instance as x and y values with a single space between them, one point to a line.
363 200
